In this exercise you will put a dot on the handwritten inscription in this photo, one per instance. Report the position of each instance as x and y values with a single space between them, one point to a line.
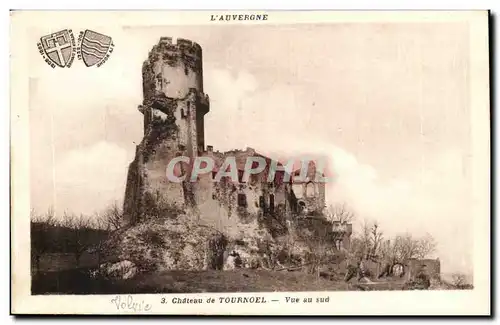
128 303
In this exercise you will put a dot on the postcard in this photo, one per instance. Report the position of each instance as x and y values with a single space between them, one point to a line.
250 162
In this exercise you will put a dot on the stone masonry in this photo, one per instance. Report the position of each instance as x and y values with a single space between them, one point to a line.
174 106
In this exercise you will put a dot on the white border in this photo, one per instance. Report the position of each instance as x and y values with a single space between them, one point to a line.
479 230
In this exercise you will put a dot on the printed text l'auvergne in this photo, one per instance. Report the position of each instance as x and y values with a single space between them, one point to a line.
247 17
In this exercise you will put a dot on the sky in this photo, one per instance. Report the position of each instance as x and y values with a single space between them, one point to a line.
386 103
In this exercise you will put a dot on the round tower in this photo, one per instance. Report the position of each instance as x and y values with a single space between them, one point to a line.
173 85
174 68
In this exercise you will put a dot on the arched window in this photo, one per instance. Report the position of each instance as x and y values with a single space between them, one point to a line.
271 203
298 190
302 206
242 200
310 189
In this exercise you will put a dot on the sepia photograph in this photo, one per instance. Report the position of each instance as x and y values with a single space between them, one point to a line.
249 153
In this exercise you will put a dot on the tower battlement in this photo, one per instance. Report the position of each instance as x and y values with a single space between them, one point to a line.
172 68
176 52
181 44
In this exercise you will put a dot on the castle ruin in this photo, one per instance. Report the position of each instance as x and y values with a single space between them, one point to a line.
174 105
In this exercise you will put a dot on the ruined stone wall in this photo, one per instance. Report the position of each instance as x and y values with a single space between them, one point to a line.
311 193
173 107
343 232
147 182
219 211
321 201
232 206
431 267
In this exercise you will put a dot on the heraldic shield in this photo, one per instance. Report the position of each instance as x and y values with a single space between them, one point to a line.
58 47
94 47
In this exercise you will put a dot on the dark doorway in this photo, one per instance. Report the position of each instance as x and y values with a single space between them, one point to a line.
271 203
242 200
262 204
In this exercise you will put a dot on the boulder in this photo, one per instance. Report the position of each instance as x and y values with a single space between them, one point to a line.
230 263
120 270
233 261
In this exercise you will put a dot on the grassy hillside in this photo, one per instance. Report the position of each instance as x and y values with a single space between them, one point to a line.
240 280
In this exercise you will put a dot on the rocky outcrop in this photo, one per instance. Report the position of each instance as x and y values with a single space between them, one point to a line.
166 244
178 242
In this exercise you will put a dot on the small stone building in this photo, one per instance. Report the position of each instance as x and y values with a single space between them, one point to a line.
431 267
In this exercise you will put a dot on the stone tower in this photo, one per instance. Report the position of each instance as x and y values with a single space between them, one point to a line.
173 82
174 107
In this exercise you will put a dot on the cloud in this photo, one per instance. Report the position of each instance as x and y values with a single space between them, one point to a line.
427 195
90 178
432 200
233 86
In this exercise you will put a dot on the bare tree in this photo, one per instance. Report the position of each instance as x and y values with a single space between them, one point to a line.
459 281
368 243
113 216
341 213
321 249
406 247
361 243
425 246
41 238
376 237
49 217
79 228
100 222
386 250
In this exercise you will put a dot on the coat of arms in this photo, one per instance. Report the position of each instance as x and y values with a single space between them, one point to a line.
94 48
58 48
